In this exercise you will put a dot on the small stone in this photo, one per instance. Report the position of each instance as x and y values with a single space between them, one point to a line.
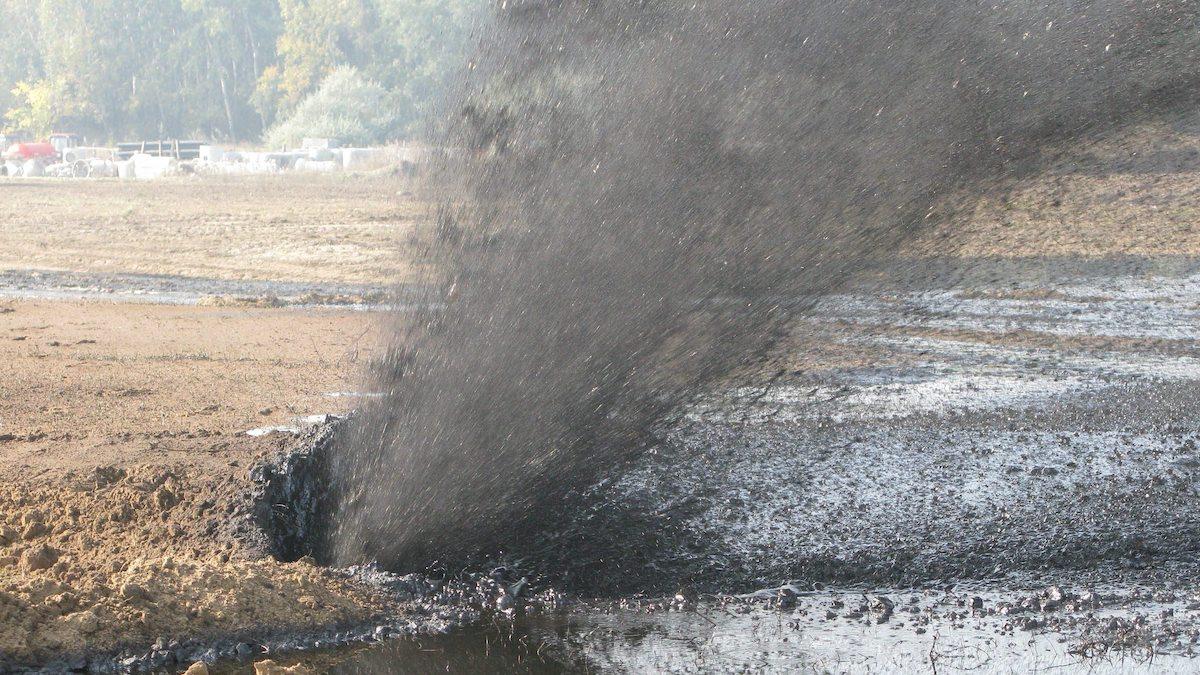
85 622
976 602
882 604
8 535
684 596
786 598
266 411
197 668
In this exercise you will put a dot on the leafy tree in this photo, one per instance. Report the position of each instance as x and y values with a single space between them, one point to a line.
33 107
222 69
19 30
347 107
423 45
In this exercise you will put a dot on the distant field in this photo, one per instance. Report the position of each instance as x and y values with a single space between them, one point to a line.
1131 192
279 228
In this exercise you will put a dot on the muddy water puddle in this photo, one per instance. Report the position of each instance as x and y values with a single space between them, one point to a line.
930 632
178 290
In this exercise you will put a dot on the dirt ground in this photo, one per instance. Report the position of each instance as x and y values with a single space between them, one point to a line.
122 425
91 383
351 229
1132 192
122 438
123 457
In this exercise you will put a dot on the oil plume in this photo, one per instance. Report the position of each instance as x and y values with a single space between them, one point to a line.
645 191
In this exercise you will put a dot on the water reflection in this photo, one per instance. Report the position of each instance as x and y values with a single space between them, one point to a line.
477 650
721 639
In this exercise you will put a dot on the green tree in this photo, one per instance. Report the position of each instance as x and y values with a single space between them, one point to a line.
317 36
422 44
218 68
19 30
347 107
233 36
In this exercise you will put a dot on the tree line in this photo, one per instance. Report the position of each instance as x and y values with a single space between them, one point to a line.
227 70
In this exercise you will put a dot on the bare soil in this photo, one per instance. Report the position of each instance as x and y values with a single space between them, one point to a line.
92 383
122 425
349 229
1132 192
122 439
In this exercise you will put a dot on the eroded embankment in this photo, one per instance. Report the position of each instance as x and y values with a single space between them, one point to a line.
150 565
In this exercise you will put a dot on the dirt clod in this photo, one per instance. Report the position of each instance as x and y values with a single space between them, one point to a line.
165 499
40 558
271 668
34 530
134 592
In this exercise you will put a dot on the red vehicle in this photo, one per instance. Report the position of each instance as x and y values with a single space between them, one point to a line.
26 151
49 150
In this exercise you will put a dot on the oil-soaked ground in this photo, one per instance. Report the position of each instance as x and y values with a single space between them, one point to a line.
964 475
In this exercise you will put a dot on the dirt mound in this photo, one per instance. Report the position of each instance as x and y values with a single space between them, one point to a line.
109 559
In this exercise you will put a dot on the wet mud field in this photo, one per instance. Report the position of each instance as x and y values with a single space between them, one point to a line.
935 469
178 290
933 473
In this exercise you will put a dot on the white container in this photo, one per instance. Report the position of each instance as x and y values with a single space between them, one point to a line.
147 167
33 169
211 153
126 170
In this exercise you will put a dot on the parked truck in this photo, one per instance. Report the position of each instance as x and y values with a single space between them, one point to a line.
31 159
